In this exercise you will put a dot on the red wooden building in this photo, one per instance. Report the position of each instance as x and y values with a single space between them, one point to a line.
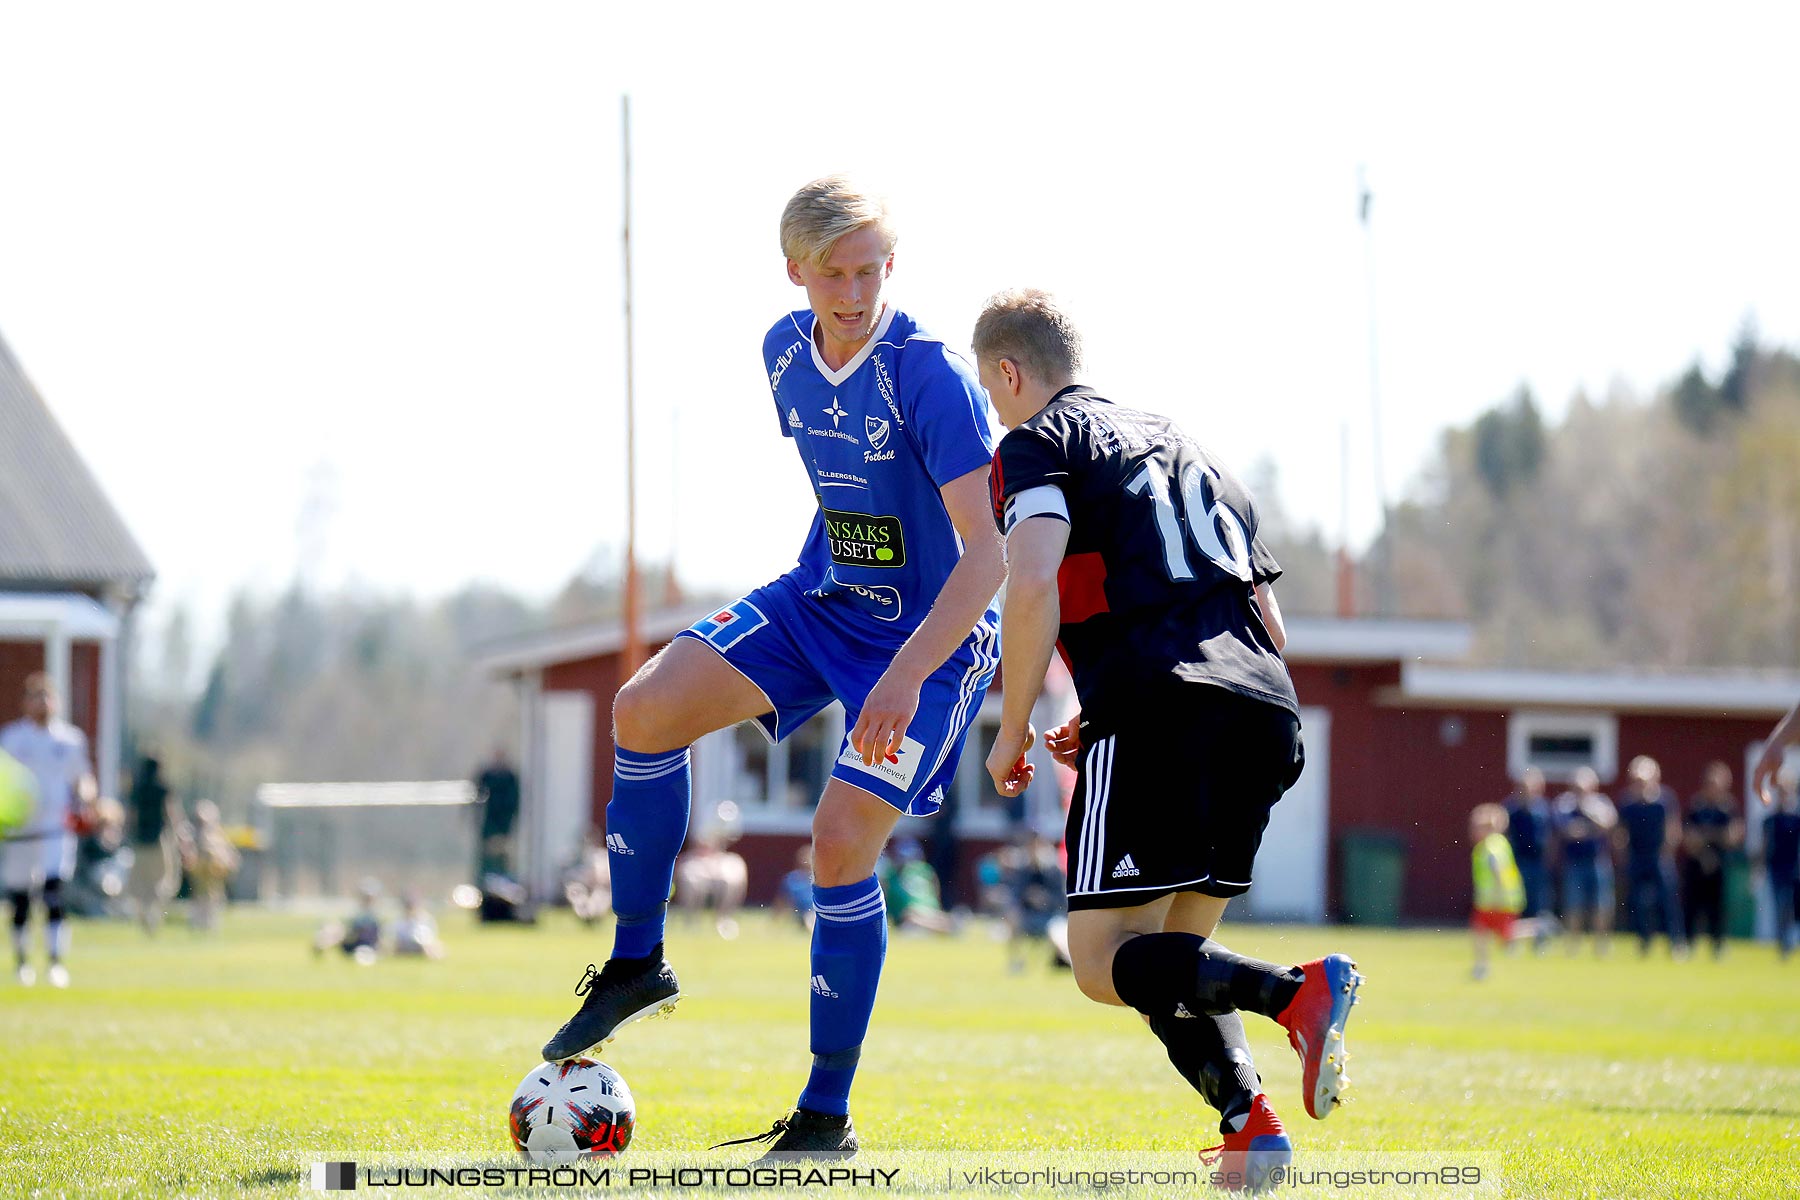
70 574
1402 741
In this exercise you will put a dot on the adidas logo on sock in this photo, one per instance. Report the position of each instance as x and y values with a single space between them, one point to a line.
1181 1010
821 988
616 843
1124 868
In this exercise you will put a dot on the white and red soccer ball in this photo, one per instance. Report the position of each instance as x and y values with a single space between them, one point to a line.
575 1108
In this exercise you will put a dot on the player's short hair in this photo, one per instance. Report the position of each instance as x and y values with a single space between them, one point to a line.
40 681
825 210
1027 326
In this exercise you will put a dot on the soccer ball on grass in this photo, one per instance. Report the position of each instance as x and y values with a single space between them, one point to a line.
571 1109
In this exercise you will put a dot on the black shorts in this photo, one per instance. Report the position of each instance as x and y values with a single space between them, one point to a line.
1177 797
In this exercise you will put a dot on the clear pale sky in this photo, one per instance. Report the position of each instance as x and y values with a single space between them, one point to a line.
369 254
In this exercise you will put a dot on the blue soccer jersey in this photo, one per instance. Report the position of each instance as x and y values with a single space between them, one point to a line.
878 439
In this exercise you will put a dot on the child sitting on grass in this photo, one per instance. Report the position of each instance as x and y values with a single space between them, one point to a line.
360 936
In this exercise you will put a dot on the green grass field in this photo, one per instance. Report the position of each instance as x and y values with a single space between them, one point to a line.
211 1067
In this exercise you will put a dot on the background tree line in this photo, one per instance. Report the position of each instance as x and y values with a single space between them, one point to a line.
1645 531
311 687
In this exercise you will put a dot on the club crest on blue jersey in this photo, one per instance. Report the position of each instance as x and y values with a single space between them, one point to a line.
880 436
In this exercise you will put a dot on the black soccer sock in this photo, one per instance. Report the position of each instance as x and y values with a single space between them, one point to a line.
1157 972
55 930
21 914
1213 1055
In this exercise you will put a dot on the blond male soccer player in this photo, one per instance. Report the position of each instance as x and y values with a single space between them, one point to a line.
1135 549
888 611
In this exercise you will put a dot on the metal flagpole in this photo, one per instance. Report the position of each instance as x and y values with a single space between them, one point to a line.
1384 575
634 635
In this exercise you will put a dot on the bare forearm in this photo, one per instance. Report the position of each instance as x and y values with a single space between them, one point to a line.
966 593
1032 615
1787 731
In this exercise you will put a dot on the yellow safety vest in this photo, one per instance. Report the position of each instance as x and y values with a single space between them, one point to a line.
1498 886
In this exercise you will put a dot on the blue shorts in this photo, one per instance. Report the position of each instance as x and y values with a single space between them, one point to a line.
1587 886
806 651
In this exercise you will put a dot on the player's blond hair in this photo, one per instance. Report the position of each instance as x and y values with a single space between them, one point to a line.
825 210
1489 816
1027 326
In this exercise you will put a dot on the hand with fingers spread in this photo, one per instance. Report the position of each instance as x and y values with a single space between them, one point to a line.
1006 761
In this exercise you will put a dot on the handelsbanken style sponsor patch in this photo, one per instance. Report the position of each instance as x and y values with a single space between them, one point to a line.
861 540
898 769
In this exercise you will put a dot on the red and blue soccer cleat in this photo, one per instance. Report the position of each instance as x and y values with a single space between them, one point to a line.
1254 1157
1314 1021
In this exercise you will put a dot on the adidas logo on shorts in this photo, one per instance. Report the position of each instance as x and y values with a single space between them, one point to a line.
616 843
1124 868
821 988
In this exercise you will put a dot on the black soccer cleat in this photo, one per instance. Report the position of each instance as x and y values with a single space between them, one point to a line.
805 1135
615 996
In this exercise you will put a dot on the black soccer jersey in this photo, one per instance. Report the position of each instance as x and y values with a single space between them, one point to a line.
1158 579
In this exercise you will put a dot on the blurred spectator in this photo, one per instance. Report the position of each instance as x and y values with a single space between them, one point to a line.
1712 831
1650 825
708 875
1781 860
99 874
588 887
992 870
40 857
1035 895
504 899
796 888
1774 753
416 935
1499 889
211 861
943 850
1584 823
1529 829
912 890
360 936
156 826
497 804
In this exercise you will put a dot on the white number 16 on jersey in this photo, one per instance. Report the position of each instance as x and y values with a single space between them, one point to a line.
1215 529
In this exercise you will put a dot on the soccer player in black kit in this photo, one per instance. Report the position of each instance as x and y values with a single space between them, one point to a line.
1134 551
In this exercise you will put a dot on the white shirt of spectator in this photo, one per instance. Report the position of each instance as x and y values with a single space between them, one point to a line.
57 755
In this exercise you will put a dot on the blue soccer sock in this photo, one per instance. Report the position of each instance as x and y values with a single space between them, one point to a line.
646 823
849 944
